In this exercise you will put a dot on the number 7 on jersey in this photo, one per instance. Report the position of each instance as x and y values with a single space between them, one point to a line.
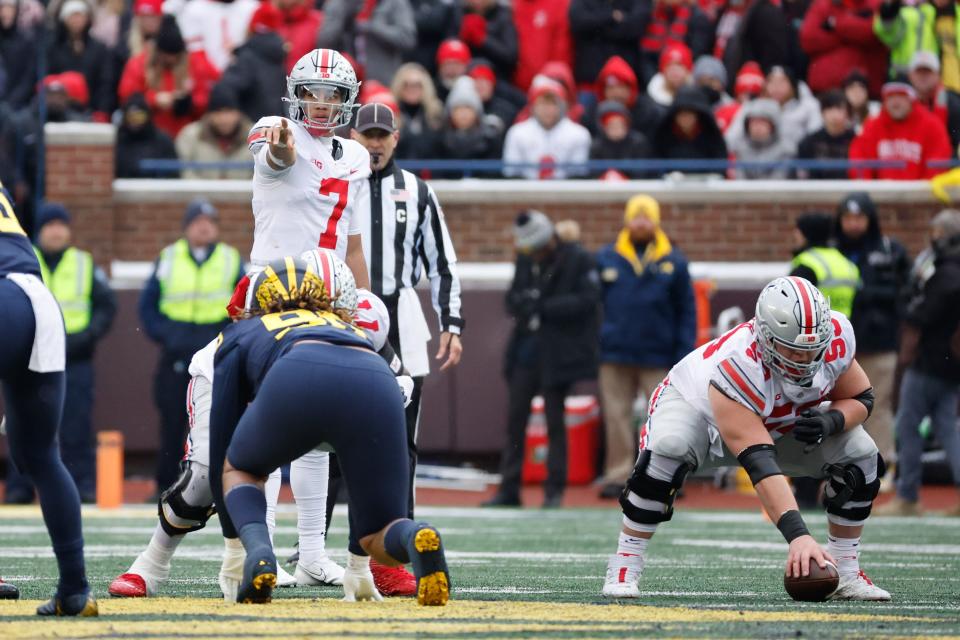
340 188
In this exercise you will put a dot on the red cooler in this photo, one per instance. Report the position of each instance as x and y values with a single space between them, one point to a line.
582 417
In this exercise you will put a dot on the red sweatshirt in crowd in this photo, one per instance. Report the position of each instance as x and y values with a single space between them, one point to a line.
301 24
543 33
917 139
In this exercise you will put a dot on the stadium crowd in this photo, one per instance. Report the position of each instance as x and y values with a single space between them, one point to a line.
543 85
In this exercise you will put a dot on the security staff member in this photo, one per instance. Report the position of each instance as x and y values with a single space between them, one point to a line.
183 307
88 308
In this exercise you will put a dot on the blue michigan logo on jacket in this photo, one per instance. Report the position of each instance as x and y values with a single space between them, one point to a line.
649 315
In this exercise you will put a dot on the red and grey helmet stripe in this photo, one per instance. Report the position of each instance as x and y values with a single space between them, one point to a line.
326 271
809 310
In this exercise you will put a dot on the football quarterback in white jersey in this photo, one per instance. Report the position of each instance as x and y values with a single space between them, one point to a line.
781 395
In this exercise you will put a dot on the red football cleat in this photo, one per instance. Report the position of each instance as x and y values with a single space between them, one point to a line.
393 581
128 585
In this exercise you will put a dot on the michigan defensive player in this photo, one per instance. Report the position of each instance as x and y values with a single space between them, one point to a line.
782 395
32 359
298 351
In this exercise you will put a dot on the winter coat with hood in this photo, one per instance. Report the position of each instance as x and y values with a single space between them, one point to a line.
480 142
634 146
257 75
134 145
559 72
838 37
799 117
19 54
917 139
197 142
597 35
94 61
936 314
670 143
820 145
884 276
645 114
383 37
543 34
775 149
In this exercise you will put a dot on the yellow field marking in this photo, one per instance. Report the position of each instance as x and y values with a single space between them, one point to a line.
213 618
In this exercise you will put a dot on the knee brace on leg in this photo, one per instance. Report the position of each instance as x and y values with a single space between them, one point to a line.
188 504
649 500
851 490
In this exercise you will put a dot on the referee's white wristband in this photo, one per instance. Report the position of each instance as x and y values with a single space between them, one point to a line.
275 160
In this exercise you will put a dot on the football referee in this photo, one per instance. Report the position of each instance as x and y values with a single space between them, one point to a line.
404 235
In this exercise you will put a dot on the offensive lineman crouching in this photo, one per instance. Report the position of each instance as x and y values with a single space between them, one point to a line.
761 392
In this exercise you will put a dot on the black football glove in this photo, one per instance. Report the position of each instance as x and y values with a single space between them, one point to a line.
815 425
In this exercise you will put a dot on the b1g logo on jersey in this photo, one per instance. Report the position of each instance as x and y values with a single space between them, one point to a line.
318 164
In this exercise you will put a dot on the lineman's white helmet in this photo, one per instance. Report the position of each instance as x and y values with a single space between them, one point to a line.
792 313
335 273
325 73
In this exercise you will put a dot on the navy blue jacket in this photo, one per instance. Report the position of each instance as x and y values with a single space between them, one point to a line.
648 320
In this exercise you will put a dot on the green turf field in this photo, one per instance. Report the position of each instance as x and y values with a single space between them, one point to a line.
515 574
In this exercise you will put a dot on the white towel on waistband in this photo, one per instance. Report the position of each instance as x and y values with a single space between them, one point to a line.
49 351
414 333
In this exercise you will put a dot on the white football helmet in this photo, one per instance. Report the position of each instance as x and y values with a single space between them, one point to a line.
336 275
325 73
793 313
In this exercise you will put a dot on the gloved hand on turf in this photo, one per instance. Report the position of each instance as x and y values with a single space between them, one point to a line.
814 425
358 583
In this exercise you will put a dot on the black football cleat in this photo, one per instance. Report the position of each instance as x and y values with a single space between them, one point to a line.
81 605
259 578
9 591
430 568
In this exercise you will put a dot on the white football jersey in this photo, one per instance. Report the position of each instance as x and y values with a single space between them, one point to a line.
732 363
310 204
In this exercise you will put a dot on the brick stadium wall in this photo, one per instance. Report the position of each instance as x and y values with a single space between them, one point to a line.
132 220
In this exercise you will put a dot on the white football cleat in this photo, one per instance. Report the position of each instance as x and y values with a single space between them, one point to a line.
231 570
859 587
321 571
284 579
623 576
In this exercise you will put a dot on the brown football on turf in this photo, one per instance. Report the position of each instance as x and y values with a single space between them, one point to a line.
816 586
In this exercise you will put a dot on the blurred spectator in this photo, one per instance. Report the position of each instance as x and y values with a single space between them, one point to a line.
299 28
257 73
832 142
435 20
929 26
748 85
763 36
487 28
676 65
940 101
19 57
495 103
862 108
649 324
105 24
183 306
466 134
421 112
376 33
838 36
31 16
74 49
548 138
763 140
825 267
144 25
88 308
799 110
689 132
673 22
727 23
617 81
219 136
453 56
602 29
560 73
67 97
553 299
176 84
543 35
884 273
710 76
138 139
902 132
930 351
617 140
216 27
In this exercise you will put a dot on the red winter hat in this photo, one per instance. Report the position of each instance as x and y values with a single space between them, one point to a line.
70 82
481 70
749 79
676 53
148 8
266 18
453 49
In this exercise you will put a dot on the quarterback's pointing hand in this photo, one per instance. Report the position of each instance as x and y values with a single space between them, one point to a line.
282 150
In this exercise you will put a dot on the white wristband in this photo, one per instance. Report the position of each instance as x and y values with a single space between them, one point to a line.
275 160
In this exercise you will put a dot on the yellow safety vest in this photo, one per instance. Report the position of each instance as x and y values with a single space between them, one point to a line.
196 293
71 284
837 277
